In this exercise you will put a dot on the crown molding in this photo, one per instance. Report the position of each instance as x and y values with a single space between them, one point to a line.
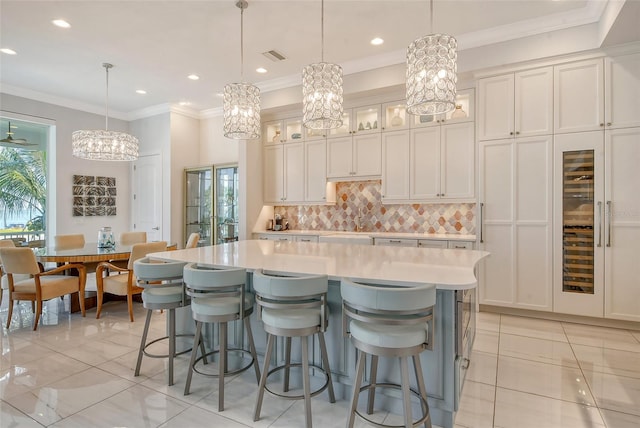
211 112
59 101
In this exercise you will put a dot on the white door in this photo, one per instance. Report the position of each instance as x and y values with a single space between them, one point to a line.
395 165
425 163
367 155
315 153
293 172
622 91
495 109
578 221
458 161
147 196
339 157
622 224
273 170
578 96
534 102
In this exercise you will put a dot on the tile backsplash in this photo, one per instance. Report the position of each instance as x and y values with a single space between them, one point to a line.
363 198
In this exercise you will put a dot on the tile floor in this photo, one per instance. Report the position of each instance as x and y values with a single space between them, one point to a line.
78 372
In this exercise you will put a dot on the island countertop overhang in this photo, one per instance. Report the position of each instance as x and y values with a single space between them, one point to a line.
448 269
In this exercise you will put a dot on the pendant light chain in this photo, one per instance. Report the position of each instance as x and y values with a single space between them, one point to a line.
242 42
322 31
431 17
106 102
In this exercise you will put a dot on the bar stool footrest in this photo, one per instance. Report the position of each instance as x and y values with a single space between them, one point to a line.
393 386
148 354
227 372
299 396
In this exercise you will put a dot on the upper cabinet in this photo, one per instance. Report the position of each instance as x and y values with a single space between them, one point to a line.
579 96
359 156
622 91
283 131
464 112
395 116
516 104
360 120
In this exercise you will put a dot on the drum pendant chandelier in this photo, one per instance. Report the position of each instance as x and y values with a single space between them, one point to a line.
322 91
241 101
104 145
432 73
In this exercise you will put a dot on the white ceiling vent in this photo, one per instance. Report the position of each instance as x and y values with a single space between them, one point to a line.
274 55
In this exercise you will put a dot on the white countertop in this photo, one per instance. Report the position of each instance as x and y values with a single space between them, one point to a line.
448 269
392 235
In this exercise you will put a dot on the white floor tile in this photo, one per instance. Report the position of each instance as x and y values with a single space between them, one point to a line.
198 417
521 410
549 380
486 341
124 366
488 321
476 407
540 350
483 368
617 393
57 400
531 327
611 361
619 420
602 337
135 407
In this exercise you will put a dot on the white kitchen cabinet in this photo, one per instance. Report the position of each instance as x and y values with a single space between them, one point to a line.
461 245
276 237
395 242
597 226
282 131
622 227
395 116
284 173
579 96
306 238
357 156
516 104
464 112
516 222
622 91
442 162
358 120
432 243
396 165
317 189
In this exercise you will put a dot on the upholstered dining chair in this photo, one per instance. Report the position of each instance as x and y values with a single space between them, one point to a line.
193 240
4 243
123 282
40 285
68 242
130 238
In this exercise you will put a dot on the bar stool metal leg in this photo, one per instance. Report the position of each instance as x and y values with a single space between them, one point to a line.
406 397
252 348
143 342
325 364
287 363
194 353
263 377
356 389
222 364
373 376
172 342
305 380
417 367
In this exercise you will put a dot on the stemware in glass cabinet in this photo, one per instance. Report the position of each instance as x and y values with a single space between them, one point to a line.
198 203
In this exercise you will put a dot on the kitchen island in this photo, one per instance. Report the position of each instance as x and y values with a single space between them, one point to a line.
452 271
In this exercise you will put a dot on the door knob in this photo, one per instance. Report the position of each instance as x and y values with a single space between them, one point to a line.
155 228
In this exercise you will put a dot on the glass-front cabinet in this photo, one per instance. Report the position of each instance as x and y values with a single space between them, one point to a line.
211 203
226 203
198 215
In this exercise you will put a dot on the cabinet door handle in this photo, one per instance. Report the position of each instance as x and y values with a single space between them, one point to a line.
517 132
394 241
599 224
608 223
511 133
441 194
602 124
481 220
608 123
283 239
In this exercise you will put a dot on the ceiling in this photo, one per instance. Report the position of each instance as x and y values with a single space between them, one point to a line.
155 44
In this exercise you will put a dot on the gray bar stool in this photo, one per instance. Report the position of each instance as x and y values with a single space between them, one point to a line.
163 289
389 321
218 296
293 307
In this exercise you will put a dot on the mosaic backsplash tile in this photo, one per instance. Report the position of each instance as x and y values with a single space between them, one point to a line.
363 199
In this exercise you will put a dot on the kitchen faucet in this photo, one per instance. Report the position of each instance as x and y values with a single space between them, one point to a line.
359 221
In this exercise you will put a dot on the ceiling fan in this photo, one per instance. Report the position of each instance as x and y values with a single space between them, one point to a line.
12 142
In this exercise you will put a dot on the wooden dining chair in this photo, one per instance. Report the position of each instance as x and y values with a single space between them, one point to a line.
193 240
68 242
130 238
120 281
4 282
39 286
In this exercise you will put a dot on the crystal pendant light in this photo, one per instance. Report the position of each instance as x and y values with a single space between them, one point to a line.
241 101
322 91
104 144
432 73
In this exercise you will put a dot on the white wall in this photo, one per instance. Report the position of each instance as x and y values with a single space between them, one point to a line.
215 148
66 121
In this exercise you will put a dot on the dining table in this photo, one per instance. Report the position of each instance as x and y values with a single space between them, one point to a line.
89 255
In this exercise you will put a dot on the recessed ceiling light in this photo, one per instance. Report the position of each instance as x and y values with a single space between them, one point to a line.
141 91
193 77
8 51
261 70
184 103
377 41
61 23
